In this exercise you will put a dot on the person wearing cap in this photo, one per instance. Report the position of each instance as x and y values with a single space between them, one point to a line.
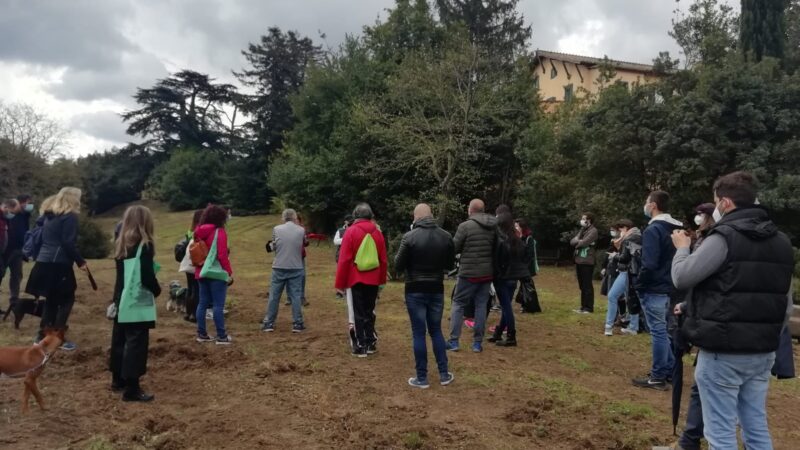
704 219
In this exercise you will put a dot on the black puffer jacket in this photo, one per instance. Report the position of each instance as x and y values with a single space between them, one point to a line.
425 254
475 241
512 261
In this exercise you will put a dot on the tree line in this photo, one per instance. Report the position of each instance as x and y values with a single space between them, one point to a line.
437 103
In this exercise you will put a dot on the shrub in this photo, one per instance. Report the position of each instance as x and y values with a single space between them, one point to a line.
189 180
93 242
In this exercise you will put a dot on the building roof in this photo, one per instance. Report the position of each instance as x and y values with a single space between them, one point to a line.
591 61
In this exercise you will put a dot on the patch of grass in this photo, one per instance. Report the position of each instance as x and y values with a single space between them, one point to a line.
478 379
98 443
786 386
575 363
414 440
629 410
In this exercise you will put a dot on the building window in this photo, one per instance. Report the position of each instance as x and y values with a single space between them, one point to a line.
553 73
536 81
569 93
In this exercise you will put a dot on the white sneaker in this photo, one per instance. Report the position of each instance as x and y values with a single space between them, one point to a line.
609 331
629 332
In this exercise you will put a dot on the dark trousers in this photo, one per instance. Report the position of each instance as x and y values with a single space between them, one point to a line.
55 315
13 261
505 294
129 344
693 433
192 295
585 274
528 297
364 298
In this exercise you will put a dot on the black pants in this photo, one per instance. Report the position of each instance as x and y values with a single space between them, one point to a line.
364 298
528 297
129 344
192 295
693 433
56 313
585 274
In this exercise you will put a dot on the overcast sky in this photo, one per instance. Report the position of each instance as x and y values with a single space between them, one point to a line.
81 60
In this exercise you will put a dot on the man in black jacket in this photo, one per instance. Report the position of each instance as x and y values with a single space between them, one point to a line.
741 291
425 254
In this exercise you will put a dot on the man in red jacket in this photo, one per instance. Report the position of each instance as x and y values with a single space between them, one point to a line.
361 287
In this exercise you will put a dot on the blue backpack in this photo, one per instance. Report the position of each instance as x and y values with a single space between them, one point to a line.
33 241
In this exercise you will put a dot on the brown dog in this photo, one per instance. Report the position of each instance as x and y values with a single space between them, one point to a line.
29 362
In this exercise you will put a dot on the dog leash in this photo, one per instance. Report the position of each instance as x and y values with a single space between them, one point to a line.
45 360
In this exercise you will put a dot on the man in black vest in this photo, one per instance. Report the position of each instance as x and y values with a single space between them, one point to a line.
737 309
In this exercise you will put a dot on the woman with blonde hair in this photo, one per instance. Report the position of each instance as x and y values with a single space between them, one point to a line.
131 334
52 277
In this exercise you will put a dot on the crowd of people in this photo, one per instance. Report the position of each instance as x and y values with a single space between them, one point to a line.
723 285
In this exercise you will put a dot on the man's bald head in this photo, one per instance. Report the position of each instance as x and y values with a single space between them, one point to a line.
476 206
422 211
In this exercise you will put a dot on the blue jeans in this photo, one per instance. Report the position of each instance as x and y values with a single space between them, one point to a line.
617 291
425 312
505 294
292 280
466 290
655 309
734 386
212 292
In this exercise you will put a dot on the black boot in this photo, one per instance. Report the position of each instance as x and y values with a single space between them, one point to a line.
117 384
134 393
497 335
510 341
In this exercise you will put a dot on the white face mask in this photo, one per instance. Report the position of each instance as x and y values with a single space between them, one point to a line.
584 223
717 214
698 219
614 233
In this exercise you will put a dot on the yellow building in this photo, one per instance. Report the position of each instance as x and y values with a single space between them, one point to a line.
561 77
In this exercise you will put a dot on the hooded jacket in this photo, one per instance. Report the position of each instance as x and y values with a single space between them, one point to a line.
347 275
425 254
206 234
475 241
60 240
657 253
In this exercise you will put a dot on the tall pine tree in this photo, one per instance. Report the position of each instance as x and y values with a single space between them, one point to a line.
763 28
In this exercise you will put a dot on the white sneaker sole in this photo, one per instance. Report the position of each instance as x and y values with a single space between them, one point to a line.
423 386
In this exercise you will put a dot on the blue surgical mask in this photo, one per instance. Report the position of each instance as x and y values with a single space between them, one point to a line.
10 216
648 213
29 207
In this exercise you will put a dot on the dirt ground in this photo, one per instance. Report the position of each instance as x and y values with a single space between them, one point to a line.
565 387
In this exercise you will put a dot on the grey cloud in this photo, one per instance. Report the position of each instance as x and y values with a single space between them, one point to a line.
76 33
119 83
106 125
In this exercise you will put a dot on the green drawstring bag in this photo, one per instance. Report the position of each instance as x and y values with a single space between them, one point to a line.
212 269
137 303
367 255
